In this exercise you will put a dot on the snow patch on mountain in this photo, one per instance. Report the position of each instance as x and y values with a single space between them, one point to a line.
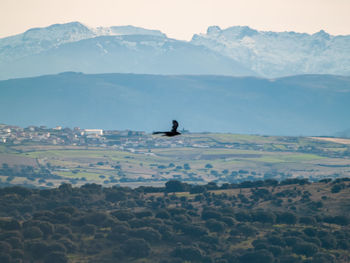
37 40
103 50
241 49
275 54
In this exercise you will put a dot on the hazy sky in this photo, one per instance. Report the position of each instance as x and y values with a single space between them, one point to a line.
179 18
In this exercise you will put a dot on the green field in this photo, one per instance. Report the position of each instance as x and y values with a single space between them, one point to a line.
203 157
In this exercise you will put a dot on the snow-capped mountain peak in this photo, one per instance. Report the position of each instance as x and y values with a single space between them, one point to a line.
322 34
58 33
213 30
275 54
237 50
125 30
37 40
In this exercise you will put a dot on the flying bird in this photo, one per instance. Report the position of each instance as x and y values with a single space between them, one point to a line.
173 131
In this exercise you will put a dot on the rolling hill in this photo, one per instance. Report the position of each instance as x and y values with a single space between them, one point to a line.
299 105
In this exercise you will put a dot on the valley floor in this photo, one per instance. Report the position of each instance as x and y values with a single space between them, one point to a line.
134 160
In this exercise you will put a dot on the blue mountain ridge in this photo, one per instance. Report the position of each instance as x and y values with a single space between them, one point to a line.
124 54
297 105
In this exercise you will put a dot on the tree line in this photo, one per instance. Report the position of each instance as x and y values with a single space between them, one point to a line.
261 222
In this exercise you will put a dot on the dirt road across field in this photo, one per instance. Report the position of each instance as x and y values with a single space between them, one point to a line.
331 139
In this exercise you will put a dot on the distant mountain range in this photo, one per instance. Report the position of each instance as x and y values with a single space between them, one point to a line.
276 54
298 105
75 47
235 51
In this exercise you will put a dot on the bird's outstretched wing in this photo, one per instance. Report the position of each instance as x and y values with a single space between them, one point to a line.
171 133
158 132
175 125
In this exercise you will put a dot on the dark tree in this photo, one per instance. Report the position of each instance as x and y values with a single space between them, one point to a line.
210 214
32 232
264 217
38 249
147 234
5 258
323 258
13 224
304 248
88 229
136 247
123 215
259 256
174 186
188 253
286 218
115 195
215 226
163 214
56 257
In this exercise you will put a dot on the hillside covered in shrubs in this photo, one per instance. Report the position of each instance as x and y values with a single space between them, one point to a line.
261 222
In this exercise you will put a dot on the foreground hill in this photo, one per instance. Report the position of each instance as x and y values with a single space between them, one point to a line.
260 222
298 105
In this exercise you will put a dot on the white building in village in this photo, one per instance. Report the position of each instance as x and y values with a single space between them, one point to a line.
96 132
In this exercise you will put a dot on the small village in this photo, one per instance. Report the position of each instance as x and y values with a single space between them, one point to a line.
126 140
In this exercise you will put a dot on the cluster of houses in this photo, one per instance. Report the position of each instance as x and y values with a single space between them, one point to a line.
124 140
17 135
